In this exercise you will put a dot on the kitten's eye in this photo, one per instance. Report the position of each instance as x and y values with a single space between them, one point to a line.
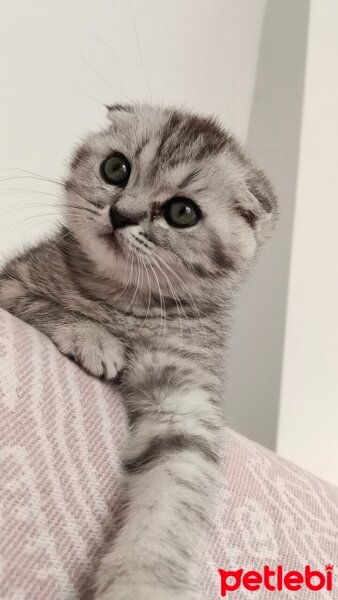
181 212
116 169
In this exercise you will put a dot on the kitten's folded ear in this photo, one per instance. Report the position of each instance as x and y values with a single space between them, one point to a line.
257 203
118 108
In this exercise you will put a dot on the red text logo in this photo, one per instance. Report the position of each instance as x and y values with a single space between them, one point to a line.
276 580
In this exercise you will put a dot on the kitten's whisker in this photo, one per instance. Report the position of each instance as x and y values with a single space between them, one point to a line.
37 215
88 96
93 212
61 184
44 222
21 205
149 295
21 190
162 300
63 237
180 281
75 191
140 55
103 78
33 176
137 285
178 305
176 299
184 286
15 210
130 275
37 224
105 43
30 217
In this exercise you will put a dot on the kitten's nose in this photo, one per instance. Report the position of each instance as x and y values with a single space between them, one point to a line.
119 220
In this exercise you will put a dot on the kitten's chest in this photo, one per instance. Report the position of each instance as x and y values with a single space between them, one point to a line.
159 331
195 340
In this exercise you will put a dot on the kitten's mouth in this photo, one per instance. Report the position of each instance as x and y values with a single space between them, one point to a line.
122 244
131 244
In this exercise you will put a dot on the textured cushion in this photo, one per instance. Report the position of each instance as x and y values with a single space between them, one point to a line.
62 434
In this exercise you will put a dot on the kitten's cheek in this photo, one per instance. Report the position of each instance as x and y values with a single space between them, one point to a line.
251 248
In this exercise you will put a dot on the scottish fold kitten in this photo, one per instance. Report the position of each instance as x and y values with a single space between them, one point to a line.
163 215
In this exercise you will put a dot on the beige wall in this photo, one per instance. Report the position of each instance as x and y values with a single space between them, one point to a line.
273 137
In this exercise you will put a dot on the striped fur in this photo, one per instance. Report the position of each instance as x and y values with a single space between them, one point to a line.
150 305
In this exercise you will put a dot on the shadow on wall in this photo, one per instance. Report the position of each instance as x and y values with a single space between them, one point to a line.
255 364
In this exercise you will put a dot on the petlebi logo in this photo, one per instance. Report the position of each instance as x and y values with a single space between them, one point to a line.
276 580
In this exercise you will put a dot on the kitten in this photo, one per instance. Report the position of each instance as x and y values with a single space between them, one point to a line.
164 214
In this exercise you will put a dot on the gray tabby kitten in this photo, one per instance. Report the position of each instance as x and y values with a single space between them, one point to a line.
164 213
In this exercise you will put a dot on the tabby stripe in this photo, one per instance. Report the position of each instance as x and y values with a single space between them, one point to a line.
159 447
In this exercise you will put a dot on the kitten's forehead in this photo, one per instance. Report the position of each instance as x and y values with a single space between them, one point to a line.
167 136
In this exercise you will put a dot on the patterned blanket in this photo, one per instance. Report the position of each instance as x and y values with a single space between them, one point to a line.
61 438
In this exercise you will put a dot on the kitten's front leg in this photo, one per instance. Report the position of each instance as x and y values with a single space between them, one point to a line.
89 343
172 474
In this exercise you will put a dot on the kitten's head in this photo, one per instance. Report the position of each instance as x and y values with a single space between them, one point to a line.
162 193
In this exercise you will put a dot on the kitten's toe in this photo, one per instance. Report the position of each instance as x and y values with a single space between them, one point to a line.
92 347
101 361
113 359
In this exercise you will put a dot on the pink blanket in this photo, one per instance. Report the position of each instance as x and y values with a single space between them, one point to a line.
61 437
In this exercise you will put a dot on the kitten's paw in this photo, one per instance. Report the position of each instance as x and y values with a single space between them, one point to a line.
92 347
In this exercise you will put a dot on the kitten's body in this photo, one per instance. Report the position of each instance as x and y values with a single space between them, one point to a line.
153 303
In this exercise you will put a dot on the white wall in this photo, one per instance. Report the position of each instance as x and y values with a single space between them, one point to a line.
308 425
